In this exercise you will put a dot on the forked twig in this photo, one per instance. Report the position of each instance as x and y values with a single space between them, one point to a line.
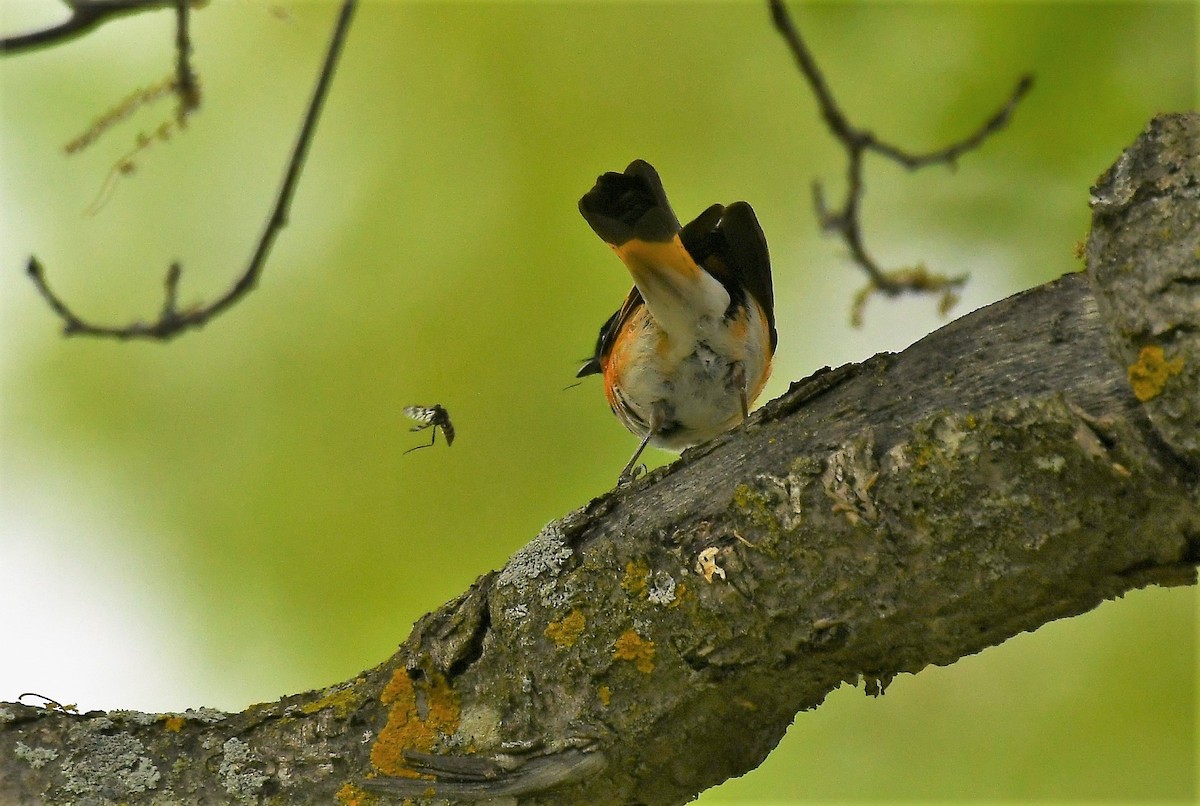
171 320
845 220
182 83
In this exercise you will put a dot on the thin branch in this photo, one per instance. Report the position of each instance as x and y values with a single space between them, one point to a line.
172 321
182 83
845 220
85 16
185 78
950 154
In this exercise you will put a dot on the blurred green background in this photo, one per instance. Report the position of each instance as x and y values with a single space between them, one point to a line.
230 517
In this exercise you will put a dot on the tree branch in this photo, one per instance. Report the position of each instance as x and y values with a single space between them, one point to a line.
172 321
845 220
874 520
86 15
186 85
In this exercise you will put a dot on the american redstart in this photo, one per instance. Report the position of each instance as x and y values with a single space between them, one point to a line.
687 354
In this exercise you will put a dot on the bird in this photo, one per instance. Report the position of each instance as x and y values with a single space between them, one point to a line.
690 350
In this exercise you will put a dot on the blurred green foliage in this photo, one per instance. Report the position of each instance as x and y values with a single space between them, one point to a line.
253 473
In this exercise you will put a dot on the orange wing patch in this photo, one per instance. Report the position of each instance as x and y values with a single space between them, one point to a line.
756 385
616 359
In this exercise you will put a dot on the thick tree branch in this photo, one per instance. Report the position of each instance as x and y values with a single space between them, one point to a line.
1005 471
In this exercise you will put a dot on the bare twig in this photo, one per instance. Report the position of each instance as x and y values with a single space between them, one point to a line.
85 15
844 220
186 85
139 98
172 321
182 83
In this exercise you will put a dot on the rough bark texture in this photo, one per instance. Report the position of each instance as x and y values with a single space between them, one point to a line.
1021 464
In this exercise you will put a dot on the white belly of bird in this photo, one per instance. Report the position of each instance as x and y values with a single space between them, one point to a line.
692 392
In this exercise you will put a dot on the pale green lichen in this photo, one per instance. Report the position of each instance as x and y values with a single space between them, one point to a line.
662 589
555 594
546 553
754 506
6 716
138 717
36 756
209 715
1053 463
111 766
480 726
241 780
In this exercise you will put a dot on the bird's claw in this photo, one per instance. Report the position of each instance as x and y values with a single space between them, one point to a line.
630 475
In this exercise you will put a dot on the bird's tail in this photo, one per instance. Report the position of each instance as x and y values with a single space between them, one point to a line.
631 213
629 205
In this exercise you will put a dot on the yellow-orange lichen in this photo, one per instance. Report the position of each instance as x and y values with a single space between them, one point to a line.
1148 375
605 695
633 647
637 577
174 723
566 632
351 795
340 700
406 729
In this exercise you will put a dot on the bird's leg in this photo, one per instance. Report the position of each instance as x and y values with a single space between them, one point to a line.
658 415
630 472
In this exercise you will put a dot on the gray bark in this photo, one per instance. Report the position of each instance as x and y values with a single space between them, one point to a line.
1021 464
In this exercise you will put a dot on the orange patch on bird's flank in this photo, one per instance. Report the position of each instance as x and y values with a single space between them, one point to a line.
628 333
174 724
633 647
757 384
739 326
1149 374
618 357
405 728
565 632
